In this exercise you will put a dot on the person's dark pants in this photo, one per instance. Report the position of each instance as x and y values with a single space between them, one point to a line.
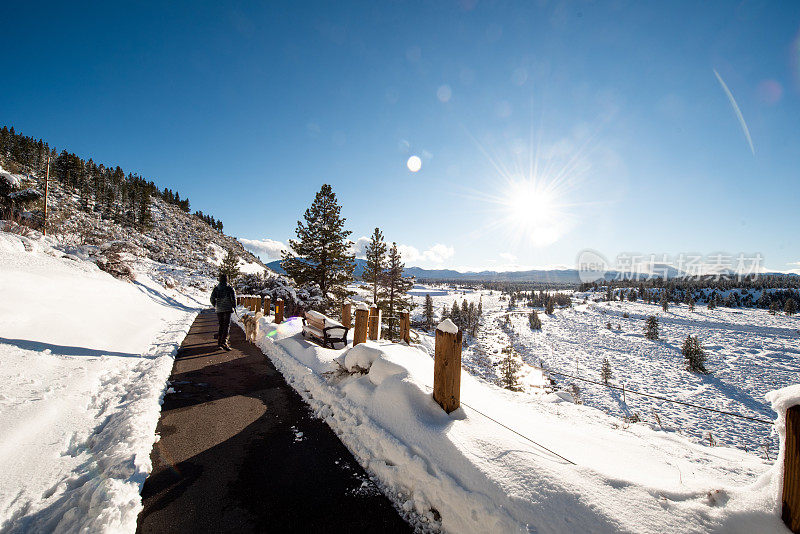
224 319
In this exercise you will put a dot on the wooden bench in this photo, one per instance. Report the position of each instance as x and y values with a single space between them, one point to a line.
324 329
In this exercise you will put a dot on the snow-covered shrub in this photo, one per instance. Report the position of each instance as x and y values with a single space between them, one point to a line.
296 300
14 197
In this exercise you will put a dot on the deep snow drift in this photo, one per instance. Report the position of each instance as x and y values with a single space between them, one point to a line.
85 359
580 470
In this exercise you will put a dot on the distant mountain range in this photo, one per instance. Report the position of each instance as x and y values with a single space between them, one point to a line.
557 276
551 276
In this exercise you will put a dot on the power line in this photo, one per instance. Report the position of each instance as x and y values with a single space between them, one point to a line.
732 414
512 430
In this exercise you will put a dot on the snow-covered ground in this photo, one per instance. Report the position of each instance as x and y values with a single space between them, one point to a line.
564 467
750 353
85 362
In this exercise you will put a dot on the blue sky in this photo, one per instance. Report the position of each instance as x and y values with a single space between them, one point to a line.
248 108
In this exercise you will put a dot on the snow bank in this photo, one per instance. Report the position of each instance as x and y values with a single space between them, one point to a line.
781 400
85 362
576 469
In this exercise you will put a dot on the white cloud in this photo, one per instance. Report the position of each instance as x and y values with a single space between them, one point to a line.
266 249
359 247
438 253
510 258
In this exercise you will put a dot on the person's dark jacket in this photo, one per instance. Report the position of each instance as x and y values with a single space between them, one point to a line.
223 297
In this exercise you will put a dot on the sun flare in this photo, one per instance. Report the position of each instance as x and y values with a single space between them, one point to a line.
528 204
531 212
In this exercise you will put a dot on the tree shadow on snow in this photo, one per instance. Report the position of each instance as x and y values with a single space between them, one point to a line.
163 299
739 395
64 350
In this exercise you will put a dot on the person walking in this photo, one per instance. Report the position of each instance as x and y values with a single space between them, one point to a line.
223 298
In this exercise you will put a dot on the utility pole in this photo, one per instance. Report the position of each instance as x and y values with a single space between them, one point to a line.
46 183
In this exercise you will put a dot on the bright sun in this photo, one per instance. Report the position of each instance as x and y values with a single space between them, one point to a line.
532 211
529 205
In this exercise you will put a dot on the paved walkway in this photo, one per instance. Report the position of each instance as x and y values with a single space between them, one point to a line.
232 457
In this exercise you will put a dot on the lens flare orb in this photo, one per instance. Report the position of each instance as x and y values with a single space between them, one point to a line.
414 163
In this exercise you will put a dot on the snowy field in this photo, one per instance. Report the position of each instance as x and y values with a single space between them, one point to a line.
85 362
750 353
565 467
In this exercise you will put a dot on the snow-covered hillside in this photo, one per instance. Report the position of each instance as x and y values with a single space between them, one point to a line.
174 238
85 361
513 462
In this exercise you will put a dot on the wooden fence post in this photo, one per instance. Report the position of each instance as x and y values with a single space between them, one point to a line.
252 303
266 305
347 314
405 327
374 323
447 366
790 496
360 332
278 311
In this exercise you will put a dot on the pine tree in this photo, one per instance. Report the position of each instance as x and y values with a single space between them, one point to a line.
427 312
691 304
445 312
474 318
322 249
397 286
376 262
145 218
230 266
664 301
651 328
605 371
694 354
455 315
791 307
551 305
775 307
509 370
535 322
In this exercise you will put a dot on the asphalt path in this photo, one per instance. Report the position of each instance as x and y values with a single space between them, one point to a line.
240 451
